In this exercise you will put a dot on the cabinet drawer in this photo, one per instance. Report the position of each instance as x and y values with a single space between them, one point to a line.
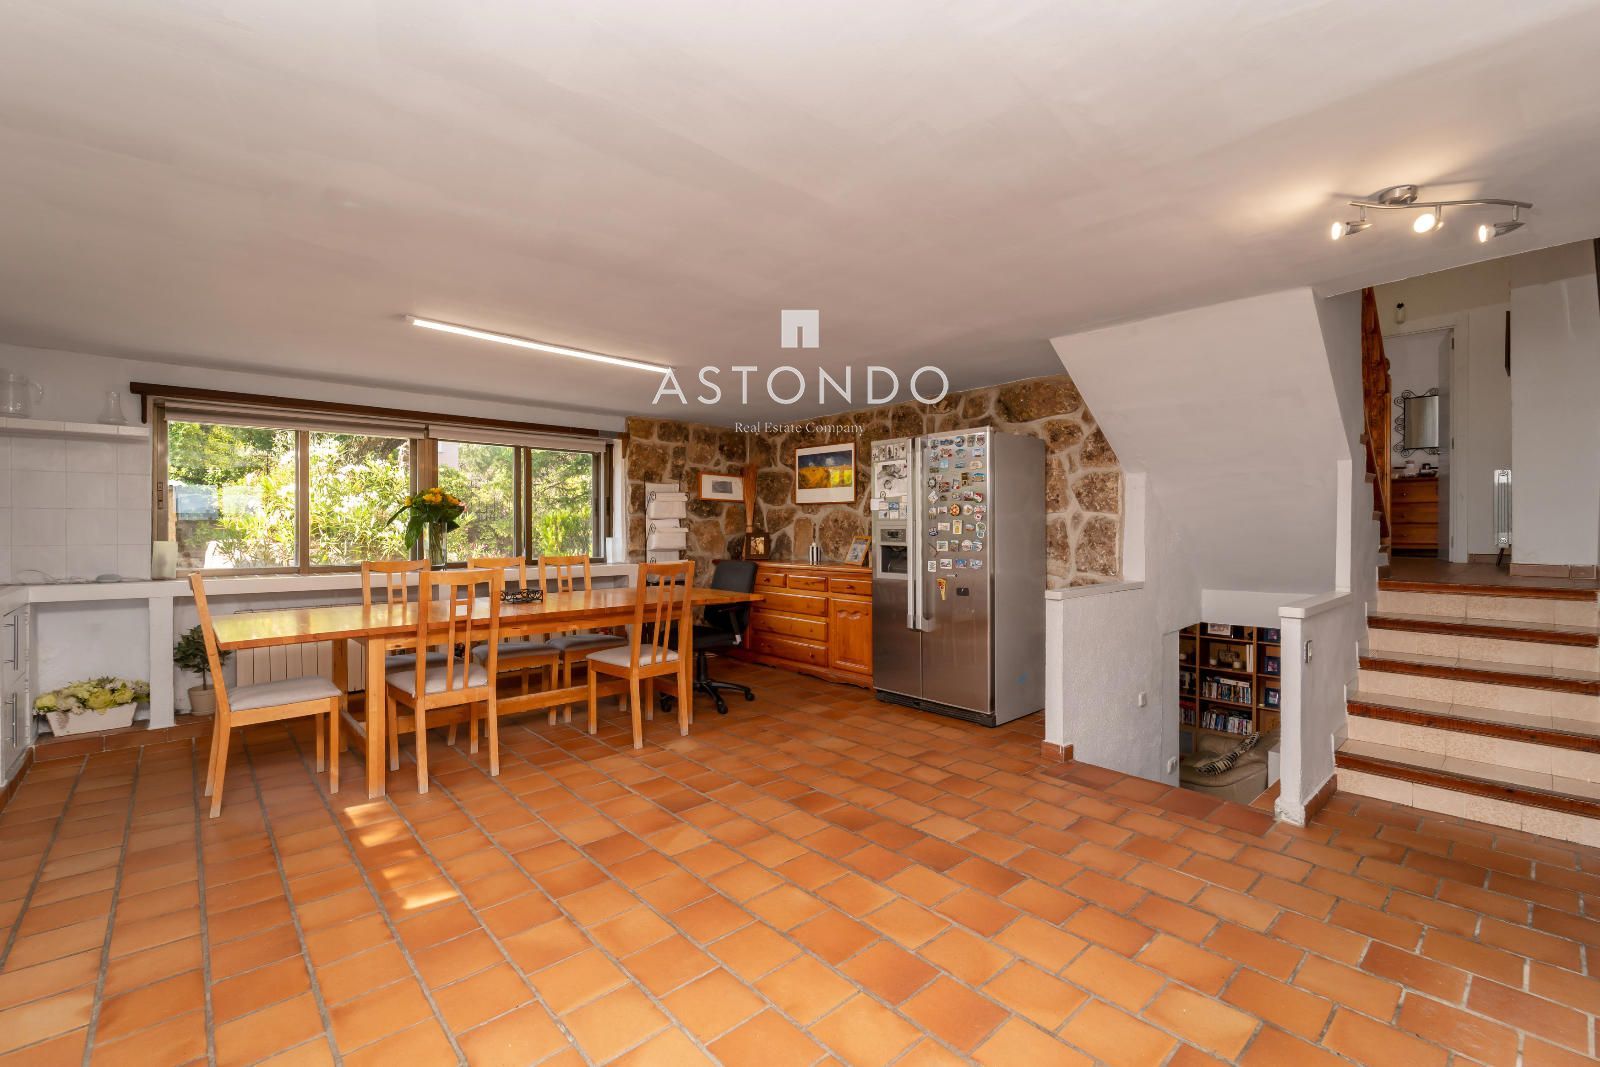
854 586
769 579
1415 535
797 603
811 652
1416 511
812 582
804 626
1415 489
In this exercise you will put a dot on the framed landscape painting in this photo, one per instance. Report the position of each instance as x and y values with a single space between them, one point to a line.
721 486
825 474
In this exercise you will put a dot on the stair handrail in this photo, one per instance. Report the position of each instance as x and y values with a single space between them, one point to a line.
1375 391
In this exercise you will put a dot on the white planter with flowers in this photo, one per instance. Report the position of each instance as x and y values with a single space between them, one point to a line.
91 706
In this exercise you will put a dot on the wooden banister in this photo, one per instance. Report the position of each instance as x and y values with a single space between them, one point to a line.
1375 406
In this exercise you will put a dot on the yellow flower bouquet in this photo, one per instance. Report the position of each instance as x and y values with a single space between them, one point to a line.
112 700
435 511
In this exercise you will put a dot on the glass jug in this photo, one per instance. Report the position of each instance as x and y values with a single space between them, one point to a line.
18 395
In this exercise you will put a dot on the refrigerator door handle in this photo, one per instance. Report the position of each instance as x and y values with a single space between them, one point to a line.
914 534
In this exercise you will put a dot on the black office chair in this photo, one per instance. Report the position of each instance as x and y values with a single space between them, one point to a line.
721 626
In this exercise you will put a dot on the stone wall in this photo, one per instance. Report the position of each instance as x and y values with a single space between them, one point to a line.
1083 485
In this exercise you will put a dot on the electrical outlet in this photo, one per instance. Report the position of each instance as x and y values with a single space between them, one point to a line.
1143 699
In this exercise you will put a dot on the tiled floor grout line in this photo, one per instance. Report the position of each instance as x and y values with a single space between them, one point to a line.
197 798
1359 846
377 898
786 934
556 902
111 912
44 860
288 895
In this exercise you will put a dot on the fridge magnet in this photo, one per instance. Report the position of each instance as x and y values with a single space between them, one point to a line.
946 564
941 546
825 474
933 565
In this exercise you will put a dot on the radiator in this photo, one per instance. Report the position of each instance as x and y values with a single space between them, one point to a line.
253 666
1502 509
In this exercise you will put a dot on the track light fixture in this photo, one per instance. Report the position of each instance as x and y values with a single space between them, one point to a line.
1431 217
1348 229
1490 230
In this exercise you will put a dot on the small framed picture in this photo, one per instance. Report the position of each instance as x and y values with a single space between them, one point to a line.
721 486
825 474
756 545
858 550
1219 629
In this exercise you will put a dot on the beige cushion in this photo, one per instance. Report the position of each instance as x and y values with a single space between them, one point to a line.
515 648
406 681
288 691
581 642
622 657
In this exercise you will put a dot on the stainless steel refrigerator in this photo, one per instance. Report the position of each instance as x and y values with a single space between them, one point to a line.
959 574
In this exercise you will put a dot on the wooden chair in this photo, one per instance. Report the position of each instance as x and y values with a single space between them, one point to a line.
396 586
521 656
458 681
652 649
396 575
559 574
247 705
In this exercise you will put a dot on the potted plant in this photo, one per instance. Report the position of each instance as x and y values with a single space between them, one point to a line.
190 654
435 511
97 704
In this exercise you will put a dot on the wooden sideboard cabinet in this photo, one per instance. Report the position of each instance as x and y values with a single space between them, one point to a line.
1414 514
813 619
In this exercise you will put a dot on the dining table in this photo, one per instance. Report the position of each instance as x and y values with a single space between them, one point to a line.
381 628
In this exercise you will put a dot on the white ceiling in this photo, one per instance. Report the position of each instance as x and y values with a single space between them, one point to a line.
274 185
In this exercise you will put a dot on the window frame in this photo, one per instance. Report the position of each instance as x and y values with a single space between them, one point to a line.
422 433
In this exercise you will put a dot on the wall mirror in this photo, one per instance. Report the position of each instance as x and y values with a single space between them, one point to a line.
1418 422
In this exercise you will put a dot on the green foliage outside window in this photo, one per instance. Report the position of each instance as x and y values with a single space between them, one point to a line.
234 497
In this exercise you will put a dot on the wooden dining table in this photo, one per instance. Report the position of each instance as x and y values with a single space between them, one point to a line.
384 627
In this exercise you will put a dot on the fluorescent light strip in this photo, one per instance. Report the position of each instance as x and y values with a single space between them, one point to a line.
538 346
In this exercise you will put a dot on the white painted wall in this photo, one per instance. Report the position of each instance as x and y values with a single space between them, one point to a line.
1237 427
1555 407
1229 411
1109 643
1472 302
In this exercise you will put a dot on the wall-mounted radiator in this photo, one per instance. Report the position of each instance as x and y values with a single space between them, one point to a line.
255 665
1502 510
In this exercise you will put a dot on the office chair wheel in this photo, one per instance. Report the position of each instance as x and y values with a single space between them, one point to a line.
749 695
722 706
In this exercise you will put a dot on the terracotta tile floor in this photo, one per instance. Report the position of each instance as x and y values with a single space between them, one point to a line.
816 878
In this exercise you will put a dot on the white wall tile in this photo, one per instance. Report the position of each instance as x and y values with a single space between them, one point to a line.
133 527
133 561
38 454
92 526
49 561
38 527
133 457
90 561
133 491
91 490
38 489
92 456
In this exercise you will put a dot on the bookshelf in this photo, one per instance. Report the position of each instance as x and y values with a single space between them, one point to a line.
1228 679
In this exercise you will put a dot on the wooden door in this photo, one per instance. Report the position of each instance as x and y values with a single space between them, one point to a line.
850 635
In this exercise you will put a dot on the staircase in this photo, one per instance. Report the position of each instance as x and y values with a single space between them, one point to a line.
1481 699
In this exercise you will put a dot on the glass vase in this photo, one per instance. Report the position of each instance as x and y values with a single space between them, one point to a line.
436 553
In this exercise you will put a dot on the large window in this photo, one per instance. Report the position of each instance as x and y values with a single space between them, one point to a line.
231 494
485 478
355 482
241 494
